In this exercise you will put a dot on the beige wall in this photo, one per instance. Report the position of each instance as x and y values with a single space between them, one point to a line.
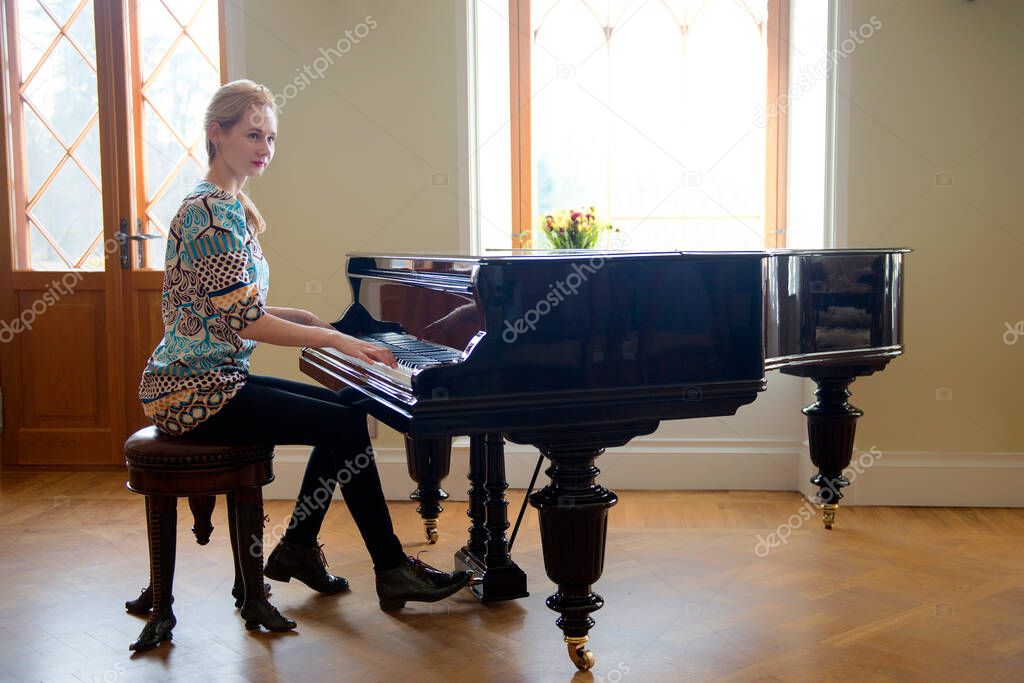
357 148
940 89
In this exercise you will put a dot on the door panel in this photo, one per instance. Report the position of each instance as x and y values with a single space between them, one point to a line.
61 400
62 407
58 388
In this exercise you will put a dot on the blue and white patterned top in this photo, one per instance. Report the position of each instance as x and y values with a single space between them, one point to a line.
215 284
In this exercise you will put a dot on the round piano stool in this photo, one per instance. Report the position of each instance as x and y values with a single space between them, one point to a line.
165 468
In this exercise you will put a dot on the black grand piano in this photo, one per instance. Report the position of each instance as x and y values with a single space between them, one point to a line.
574 352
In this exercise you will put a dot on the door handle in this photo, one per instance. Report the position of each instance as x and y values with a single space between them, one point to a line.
124 240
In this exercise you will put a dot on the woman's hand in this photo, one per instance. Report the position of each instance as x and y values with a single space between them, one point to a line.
272 329
365 351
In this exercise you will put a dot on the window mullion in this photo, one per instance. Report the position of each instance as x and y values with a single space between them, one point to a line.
776 130
137 99
519 59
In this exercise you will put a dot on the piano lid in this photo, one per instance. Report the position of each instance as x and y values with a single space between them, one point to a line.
468 256
839 251
465 259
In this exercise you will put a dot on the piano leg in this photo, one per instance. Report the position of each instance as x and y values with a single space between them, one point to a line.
831 424
487 553
573 525
429 461
477 512
573 511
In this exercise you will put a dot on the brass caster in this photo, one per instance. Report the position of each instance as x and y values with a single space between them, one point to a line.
828 514
430 525
578 652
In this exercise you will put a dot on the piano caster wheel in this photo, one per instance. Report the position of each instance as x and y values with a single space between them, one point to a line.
828 514
578 652
430 526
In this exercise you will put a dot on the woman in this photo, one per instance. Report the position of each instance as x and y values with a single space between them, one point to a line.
197 382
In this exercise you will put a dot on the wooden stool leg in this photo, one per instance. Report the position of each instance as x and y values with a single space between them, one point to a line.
256 609
162 525
202 512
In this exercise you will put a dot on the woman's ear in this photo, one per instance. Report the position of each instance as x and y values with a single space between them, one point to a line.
213 133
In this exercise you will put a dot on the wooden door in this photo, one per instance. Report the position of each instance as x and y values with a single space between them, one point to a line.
80 289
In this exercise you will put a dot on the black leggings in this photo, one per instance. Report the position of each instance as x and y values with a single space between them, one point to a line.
281 411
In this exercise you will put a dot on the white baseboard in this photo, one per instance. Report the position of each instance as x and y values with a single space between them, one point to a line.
894 478
929 479
644 464
941 479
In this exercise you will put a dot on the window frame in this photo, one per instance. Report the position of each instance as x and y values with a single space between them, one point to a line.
776 130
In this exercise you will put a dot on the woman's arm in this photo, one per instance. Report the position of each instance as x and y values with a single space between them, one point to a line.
298 316
271 329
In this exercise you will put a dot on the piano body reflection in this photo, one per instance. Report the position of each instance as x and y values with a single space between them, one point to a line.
576 352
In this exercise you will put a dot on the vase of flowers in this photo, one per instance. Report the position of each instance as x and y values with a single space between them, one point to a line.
573 229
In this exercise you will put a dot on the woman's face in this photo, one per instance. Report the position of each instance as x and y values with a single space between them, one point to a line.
247 147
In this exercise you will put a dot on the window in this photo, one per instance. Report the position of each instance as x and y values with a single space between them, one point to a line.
655 112
54 111
55 133
179 66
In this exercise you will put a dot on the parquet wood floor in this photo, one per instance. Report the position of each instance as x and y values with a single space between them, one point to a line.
892 594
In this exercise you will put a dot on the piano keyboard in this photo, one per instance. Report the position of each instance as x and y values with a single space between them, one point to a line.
411 353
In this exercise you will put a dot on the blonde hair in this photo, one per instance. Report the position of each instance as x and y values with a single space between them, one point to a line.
228 105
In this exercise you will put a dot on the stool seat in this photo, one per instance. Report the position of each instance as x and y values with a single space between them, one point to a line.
151 447
165 468
173 466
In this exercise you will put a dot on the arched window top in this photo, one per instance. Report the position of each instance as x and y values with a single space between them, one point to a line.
608 15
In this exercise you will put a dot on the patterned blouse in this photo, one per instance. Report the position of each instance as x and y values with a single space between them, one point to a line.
215 283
